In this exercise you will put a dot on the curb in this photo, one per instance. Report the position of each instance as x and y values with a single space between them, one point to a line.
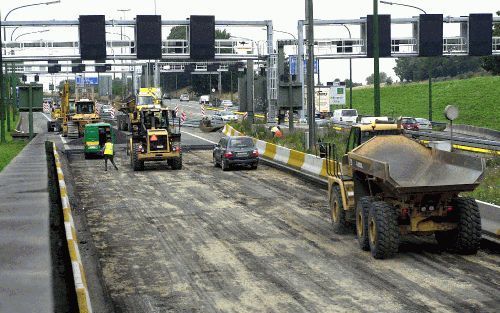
80 280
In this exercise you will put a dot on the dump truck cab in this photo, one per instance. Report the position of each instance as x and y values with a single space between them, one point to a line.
155 136
95 136
388 185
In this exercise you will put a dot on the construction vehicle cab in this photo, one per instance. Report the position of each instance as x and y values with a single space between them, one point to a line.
84 114
155 136
95 136
388 185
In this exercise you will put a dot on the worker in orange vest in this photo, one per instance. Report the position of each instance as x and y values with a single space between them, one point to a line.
276 130
108 154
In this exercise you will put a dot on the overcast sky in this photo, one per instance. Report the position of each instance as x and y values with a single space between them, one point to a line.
284 15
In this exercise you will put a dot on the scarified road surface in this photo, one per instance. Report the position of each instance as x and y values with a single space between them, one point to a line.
203 240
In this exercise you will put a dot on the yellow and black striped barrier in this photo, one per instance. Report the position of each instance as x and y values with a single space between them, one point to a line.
80 280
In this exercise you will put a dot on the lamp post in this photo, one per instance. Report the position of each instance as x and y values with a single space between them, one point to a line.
310 74
2 115
29 33
24 6
430 66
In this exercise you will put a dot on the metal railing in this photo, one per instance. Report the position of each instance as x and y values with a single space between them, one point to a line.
455 46
404 45
339 46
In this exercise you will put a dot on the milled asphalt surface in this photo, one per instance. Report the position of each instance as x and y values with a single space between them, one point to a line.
203 240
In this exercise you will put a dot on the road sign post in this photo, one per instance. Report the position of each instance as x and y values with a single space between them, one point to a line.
7 97
2 96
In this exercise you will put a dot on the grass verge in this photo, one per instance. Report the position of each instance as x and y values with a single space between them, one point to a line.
12 147
489 189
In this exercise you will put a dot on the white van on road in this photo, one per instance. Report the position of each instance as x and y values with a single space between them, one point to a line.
345 115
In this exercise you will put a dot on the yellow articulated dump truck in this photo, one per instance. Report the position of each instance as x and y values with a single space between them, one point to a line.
389 185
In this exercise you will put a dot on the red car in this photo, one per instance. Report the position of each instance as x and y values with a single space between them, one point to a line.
409 123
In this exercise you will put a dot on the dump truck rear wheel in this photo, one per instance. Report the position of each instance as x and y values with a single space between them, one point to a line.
466 238
337 212
177 163
383 230
362 211
137 164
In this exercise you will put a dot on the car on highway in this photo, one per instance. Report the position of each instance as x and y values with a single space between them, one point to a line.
345 116
409 123
235 150
106 111
227 103
184 97
225 116
423 123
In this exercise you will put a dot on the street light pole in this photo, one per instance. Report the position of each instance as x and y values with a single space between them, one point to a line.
430 65
24 6
310 74
29 33
376 74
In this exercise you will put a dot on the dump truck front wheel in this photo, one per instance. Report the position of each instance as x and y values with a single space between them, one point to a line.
137 164
339 221
362 211
466 238
383 230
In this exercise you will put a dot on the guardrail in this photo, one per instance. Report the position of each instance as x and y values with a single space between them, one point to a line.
80 280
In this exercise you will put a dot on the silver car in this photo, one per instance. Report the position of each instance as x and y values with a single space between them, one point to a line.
224 116
423 123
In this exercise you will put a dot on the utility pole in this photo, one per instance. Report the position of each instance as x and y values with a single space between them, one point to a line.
376 54
310 73
2 95
430 92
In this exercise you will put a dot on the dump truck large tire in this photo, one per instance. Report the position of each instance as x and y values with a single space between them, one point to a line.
176 163
383 230
362 212
337 212
137 165
466 238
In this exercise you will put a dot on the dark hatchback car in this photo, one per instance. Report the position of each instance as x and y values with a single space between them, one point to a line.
236 150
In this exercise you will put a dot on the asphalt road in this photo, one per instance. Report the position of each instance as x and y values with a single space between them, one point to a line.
203 240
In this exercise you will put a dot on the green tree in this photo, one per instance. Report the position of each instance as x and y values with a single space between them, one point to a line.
492 63
417 69
370 79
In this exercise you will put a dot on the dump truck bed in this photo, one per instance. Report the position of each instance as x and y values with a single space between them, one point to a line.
407 166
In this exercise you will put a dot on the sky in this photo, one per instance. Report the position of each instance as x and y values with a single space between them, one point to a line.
284 15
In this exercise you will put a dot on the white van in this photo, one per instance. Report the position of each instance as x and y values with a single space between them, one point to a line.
205 99
345 116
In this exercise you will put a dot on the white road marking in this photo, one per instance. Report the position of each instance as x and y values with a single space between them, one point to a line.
196 136
66 147
48 118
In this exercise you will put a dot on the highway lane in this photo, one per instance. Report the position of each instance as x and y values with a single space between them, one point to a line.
203 240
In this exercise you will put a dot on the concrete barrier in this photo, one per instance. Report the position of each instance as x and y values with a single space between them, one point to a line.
299 160
80 281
